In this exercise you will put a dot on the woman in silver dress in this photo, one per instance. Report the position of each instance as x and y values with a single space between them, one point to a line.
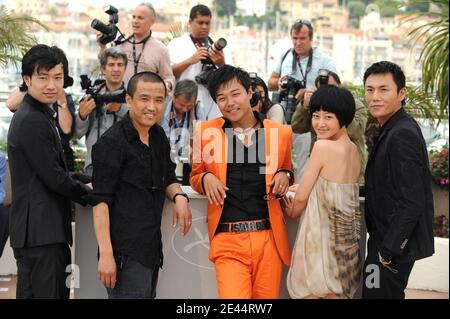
325 258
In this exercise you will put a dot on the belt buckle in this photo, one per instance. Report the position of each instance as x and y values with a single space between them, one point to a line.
251 226
238 227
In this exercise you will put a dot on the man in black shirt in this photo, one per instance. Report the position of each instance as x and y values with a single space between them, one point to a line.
132 173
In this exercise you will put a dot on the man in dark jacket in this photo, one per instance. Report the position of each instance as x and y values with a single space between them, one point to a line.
399 203
40 225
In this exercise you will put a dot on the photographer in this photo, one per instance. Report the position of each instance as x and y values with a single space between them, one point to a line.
261 102
190 53
301 63
301 120
144 52
93 123
178 122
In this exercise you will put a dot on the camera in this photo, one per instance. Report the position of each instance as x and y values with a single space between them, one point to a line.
109 31
256 97
323 76
291 86
219 45
100 99
207 64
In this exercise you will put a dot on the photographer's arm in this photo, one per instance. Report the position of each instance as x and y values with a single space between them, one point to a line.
82 117
87 105
274 82
15 99
358 125
179 68
300 94
217 57
101 45
301 122
65 118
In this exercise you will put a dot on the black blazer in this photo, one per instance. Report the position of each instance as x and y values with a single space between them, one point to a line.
41 184
399 202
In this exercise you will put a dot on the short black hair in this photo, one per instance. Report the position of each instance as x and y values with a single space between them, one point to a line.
339 101
226 74
199 10
68 80
146 76
42 56
388 67
266 102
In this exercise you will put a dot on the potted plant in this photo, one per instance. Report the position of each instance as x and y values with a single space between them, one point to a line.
439 172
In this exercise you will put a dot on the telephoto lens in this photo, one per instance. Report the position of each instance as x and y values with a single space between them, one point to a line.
100 26
220 44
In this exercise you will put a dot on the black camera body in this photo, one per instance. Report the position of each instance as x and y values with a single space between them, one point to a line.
323 76
290 83
256 97
291 86
109 31
207 64
100 99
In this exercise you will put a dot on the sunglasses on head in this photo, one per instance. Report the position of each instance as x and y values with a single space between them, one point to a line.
302 21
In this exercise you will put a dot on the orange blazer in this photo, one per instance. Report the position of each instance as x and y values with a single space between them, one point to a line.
210 147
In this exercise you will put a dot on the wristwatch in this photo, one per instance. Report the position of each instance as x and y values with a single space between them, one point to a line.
180 194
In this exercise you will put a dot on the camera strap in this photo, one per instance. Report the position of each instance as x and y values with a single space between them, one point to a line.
175 125
136 60
308 66
208 41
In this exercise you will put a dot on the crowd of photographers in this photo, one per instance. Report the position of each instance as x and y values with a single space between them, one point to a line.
192 56
189 80
184 65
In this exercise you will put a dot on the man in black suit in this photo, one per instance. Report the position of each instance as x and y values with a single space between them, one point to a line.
40 225
399 203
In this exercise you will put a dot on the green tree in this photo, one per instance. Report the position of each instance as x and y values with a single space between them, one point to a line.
225 7
15 36
434 54
356 9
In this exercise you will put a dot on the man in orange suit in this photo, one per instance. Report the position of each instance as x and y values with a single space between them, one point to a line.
242 163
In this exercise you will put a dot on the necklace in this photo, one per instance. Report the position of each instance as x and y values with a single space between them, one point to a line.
241 133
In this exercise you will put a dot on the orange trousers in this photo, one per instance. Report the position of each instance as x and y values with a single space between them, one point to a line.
247 265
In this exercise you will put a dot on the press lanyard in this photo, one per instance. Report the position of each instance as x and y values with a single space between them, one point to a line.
308 66
136 60
208 41
173 123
